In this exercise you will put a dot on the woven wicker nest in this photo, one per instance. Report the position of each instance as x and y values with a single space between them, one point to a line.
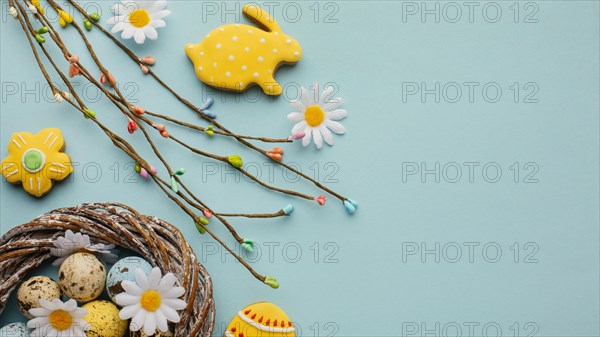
26 247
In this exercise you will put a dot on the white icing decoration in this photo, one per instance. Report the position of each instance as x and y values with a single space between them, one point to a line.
264 327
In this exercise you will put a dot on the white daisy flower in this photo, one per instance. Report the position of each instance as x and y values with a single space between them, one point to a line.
73 243
150 301
316 116
58 319
138 19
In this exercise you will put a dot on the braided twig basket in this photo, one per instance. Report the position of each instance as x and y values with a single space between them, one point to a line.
25 247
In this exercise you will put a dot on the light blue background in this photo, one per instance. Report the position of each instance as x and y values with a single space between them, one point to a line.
374 53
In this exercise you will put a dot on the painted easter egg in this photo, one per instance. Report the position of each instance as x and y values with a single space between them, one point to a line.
14 330
237 56
82 277
104 320
260 319
31 291
124 269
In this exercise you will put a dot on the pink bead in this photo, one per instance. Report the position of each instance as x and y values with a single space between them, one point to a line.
153 169
321 200
144 173
208 214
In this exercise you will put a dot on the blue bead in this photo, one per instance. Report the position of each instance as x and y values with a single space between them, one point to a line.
288 209
209 114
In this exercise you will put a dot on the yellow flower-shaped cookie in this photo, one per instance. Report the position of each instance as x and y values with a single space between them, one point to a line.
36 160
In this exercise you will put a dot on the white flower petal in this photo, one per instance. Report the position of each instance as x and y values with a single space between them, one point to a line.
158 5
130 311
52 332
307 137
80 326
79 313
37 322
300 126
170 313
160 14
175 303
128 32
154 278
305 97
296 104
336 115
142 279
37 312
335 127
318 138
332 104
166 283
161 321
174 292
327 135
139 36
132 288
158 23
150 324
151 32
295 117
125 299
138 320
69 305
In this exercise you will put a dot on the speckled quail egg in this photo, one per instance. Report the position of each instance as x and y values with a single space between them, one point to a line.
104 320
31 291
82 277
124 269
14 330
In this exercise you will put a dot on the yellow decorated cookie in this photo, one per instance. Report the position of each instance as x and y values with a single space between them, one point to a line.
36 160
260 319
236 56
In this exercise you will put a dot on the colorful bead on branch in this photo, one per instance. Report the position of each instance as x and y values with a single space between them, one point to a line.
271 282
147 61
208 214
131 126
110 80
200 225
210 131
297 136
143 172
204 108
235 161
248 245
288 209
350 205
138 110
89 114
174 184
275 153
321 200
161 129
64 18
13 12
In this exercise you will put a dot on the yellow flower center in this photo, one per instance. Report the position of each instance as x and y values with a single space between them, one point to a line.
150 300
314 115
139 18
60 320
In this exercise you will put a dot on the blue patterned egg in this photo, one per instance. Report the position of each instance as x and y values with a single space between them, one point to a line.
124 269
15 330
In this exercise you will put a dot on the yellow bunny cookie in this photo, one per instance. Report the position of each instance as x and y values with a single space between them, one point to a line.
235 56
36 160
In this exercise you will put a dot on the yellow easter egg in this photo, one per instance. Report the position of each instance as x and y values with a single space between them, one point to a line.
260 319
104 320
237 56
